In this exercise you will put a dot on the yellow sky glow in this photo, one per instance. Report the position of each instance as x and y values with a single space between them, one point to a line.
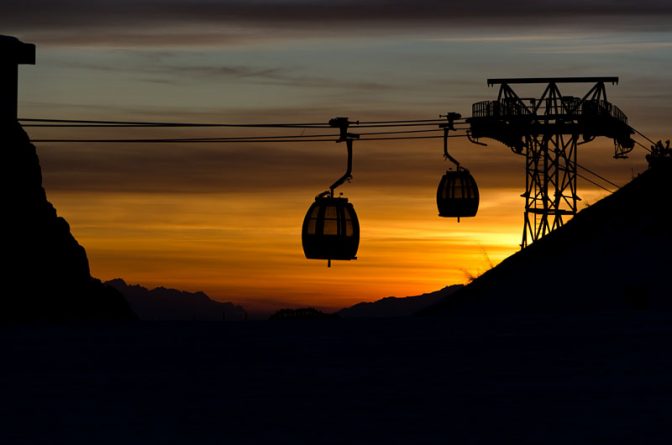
212 242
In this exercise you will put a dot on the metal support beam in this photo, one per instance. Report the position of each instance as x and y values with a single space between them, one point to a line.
550 184
612 80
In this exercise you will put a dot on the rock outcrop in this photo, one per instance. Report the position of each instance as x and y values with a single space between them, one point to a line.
45 276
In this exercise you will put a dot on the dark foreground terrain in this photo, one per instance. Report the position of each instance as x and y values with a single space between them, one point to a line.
564 380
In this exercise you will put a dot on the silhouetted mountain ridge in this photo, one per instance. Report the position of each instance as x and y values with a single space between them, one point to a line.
47 274
612 256
304 313
163 303
397 306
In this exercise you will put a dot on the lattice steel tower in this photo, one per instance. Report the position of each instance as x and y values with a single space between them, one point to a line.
546 130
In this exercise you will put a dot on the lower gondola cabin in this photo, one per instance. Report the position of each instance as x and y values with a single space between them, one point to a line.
330 230
457 194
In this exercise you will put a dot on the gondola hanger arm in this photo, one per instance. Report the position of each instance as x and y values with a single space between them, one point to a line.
450 125
342 124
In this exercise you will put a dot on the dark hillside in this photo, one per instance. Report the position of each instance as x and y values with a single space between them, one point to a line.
613 256
397 307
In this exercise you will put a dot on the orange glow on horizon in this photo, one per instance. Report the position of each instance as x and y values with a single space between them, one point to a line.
234 230
246 247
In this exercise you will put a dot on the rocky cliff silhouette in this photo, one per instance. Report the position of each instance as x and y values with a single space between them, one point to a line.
46 273
171 304
612 256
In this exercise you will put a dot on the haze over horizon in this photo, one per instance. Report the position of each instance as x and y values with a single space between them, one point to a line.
226 219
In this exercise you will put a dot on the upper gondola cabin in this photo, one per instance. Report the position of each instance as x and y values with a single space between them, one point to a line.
457 194
330 230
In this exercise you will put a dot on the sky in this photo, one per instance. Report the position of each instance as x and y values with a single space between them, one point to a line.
226 218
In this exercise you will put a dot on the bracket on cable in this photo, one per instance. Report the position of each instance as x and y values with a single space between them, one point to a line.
474 141
448 126
342 123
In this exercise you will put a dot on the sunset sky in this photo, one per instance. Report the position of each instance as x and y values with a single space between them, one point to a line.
226 218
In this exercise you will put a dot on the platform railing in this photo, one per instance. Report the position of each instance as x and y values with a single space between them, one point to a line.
569 106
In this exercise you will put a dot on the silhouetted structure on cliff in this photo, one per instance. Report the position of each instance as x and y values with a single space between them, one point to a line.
46 274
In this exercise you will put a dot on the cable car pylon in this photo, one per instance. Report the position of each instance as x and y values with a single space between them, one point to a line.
546 130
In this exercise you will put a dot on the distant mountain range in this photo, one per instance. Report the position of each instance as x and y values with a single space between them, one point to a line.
612 256
171 304
397 307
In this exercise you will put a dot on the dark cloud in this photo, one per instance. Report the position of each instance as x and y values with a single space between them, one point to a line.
273 76
167 73
173 21
168 68
317 12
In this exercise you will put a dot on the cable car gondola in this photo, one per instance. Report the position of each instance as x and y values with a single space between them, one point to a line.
331 228
457 195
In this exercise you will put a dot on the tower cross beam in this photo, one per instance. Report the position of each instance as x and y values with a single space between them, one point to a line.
501 81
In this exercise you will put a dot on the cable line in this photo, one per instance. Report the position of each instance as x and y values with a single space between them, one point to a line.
395 135
598 176
169 141
103 124
643 146
593 182
644 136
438 121
79 123
227 140
399 132
394 125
